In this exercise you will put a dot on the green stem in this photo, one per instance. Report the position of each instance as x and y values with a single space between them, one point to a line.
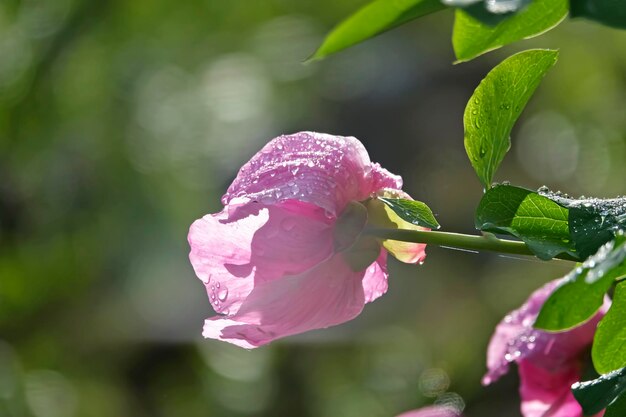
459 241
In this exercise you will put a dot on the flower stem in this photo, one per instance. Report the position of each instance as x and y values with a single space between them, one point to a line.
459 241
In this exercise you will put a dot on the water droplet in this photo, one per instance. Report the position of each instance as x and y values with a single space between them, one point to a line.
222 293
483 152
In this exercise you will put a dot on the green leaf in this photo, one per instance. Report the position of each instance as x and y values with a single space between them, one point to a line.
496 104
617 408
540 222
472 38
608 351
594 396
580 296
414 212
607 12
593 221
374 19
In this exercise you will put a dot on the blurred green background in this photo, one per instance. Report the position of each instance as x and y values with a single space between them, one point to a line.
123 121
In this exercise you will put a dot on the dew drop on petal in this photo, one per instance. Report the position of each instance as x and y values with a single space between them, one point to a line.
222 293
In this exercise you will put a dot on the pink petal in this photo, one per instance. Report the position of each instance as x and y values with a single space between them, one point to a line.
548 394
433 411
384 179
326 295
325 170
375 279
243 246
515 339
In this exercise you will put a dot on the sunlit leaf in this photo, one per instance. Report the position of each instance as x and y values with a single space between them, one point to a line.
472 37
414 212
540 222
581 294
374 19
496 105
608 351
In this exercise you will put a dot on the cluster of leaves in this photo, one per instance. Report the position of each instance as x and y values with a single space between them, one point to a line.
479 26
587 230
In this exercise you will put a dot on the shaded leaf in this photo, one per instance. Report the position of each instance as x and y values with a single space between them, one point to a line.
582 292
593 221
472 37
374 19
540 222
607 12
617 408
594 396
414 212
496 105
608 351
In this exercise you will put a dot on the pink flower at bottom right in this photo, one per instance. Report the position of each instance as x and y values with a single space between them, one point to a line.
548 363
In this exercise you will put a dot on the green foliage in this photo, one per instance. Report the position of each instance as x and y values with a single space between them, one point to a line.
582 292
608 349
472 37
374 19
617 408
540 222
593 221
497 103
594 396
414 212
607 12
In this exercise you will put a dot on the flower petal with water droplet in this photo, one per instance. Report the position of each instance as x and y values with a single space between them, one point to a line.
326 170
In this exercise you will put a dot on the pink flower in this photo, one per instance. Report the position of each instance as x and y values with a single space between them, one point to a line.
432 411
275 261
548 363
